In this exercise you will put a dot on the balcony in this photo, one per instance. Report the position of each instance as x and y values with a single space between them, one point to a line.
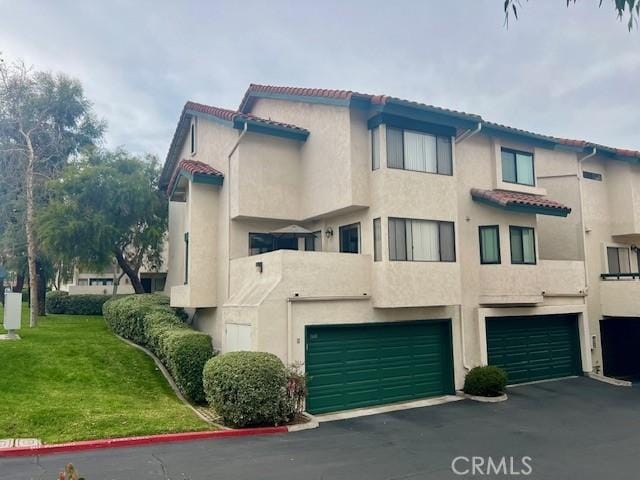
530 284
506 284
286 274
416 284
620 294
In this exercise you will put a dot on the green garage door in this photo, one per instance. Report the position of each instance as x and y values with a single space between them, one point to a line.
352 366
534 347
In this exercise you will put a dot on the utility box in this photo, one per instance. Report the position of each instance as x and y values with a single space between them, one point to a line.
12 314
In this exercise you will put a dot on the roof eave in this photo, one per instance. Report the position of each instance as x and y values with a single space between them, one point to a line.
519 208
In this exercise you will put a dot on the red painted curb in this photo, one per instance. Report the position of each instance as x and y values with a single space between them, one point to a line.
134 441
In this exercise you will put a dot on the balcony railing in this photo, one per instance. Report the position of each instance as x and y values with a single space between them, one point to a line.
620 276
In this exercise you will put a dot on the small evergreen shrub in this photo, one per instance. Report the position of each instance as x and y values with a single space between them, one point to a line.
148 320
248 389
63 303
485 381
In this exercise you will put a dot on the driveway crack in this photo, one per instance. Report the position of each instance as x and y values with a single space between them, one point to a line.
162 465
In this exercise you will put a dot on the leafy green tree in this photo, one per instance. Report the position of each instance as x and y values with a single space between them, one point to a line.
107 206
624 8
44 119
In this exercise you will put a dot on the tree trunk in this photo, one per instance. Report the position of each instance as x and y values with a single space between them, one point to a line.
19 284
31 242
42 289
129 272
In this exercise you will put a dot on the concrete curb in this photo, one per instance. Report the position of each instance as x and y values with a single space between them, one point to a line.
609 380
310 424
476 398
136 441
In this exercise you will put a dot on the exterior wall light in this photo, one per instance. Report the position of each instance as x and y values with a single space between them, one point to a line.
329 232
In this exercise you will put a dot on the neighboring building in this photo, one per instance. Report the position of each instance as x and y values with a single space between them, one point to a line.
153 278
102 283
387 245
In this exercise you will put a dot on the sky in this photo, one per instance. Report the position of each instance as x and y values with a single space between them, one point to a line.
571 72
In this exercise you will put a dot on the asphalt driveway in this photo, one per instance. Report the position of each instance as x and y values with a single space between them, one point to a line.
575 428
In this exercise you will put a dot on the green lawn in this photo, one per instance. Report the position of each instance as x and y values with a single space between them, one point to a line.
71 379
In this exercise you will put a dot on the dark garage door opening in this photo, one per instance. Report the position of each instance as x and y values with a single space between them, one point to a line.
621 347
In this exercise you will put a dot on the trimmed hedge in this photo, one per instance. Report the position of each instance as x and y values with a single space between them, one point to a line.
125 316
485 381
148 320
62 302
248 389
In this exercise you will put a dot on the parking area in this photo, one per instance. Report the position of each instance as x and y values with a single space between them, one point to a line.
573 428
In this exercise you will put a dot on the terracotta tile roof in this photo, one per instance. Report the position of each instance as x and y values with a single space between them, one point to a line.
505 199
193 167
347 95
231 115
245 104
297 91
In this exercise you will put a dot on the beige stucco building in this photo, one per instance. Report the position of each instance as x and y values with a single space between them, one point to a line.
390 246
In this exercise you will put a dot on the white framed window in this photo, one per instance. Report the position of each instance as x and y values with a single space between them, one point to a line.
375 148
419 152
421 240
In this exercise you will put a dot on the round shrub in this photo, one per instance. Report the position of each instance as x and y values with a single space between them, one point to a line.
56 301
485 381
247 388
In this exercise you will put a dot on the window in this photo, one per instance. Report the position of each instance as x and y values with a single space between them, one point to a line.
313 244
266 242
377 240
186 258
83 282
375 148
517 167
592 176
421 240
523 245
489 244
350 238
420 152
193 137
101 282
619 260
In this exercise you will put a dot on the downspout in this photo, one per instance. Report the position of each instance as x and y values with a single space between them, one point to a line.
582 221
469 133
465 364
233 150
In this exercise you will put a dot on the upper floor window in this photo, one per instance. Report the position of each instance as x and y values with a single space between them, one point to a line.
421 240
517 167
377 240
592 176
619 260
420 152
350 238
375 148
489 244
267 242
523 245
186 258
193 137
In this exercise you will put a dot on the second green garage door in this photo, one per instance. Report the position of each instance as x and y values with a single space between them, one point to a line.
353 366
535 347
